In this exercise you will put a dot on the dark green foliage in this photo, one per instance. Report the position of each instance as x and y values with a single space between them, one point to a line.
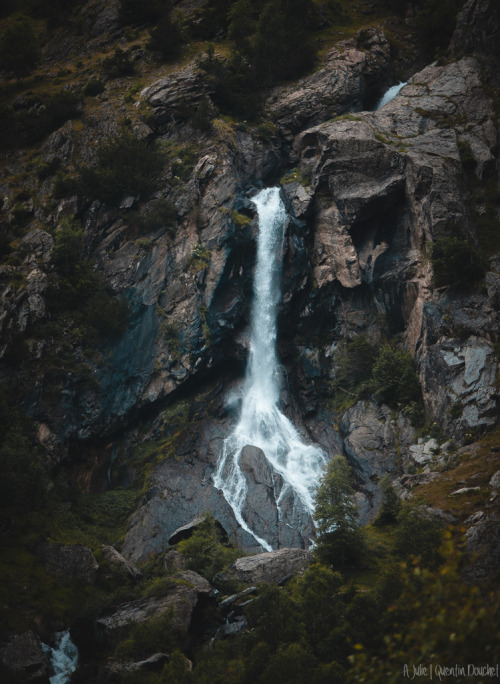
94 87
283 48
156 635
28 126
81 288
435 23
211 20
65 185
167 37
118 64
69 248
125 166
242 23
158 214
418 534
49 168
203 114
355 362
273 617
340 540
391 503
144 12
455 262
19 49
23 464
106 314
205 551
394 380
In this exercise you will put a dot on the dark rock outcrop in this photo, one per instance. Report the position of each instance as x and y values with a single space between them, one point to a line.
374 442
24 656
349 76
477 29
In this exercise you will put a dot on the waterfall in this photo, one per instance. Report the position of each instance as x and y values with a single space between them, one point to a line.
63 658
389 95
297 466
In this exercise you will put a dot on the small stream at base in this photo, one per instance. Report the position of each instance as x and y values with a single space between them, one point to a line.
63 658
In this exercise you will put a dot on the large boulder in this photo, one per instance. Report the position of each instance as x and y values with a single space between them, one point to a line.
274 567
24 656
116 559
180 600
72 563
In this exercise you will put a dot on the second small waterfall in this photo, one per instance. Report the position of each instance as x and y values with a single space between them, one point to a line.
292 466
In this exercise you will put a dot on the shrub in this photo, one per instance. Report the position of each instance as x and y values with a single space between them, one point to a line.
69 248
125 166
418 534
94 87
355 361
167 38
160 213
435 23
394 380
19 49
144 12
391 503
205 551
281 28
106 314
118 64
455 262
27 127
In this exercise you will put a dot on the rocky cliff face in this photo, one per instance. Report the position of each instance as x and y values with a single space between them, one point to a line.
368 193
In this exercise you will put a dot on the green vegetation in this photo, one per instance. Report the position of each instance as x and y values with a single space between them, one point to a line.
240 220
167 37
435 24
125 165
19 49
340 541
388 374
456 263
81 288
46 113
157 214
94 87
205 550
394 380
118 64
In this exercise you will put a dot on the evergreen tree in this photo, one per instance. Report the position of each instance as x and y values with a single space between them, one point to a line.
283 47
19 49
391 503
340 541
167 38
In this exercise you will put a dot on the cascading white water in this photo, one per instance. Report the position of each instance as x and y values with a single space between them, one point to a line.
63 658
261 423
389 95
